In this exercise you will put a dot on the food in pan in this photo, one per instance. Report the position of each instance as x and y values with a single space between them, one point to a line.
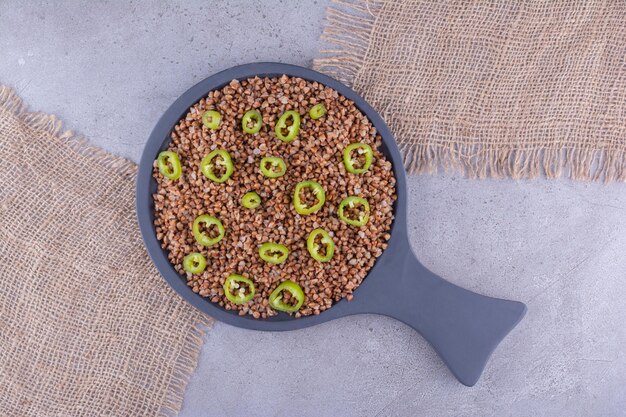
273 196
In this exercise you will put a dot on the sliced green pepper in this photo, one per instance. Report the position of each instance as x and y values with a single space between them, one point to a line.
320 245
362 159
288 126
251 200
220 170
273 167
304 204
203 237
194 263
289 302
169 165
349 212
273 253
317 111
252 122
238 289
211 119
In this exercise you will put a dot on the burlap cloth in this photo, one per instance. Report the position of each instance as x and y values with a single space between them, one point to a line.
87 326
491 88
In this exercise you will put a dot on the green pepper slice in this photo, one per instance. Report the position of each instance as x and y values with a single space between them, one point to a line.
274 253
304 203
317 111
288 126
219 170
238 289
169 165
349 212
320 245
289 302
252 122
211 119
363 158
273 167
251 200
207 237
194 263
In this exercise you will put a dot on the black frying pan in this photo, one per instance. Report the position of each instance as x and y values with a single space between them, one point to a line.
463 327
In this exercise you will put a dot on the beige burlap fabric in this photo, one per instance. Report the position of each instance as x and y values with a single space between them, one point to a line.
492 88
87 325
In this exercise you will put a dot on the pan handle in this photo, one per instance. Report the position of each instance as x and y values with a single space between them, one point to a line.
463 327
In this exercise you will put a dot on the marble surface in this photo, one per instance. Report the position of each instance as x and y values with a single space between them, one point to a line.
559 246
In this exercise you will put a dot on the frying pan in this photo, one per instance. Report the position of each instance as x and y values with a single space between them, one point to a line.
463 327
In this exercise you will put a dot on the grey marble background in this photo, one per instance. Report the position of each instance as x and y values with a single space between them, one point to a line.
109 69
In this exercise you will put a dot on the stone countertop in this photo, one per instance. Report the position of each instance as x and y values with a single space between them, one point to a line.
558 246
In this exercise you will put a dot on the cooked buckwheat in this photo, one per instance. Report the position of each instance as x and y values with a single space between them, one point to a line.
316 154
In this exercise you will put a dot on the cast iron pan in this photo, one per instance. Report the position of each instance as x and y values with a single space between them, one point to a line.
463 327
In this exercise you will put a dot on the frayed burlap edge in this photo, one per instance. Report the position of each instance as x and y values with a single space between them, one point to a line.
10 101
188 356
349 26
184 367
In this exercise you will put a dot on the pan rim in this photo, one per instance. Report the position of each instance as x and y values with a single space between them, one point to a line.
159 138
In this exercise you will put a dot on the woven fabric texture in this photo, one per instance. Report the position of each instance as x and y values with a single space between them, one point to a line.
491 88
87 325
